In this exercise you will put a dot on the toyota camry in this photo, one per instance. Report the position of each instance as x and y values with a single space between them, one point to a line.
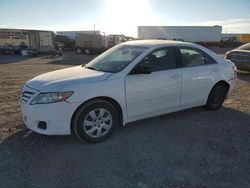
131 81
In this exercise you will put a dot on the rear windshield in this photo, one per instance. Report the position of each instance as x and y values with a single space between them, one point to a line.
244 47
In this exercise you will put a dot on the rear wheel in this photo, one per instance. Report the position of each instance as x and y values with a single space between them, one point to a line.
78 50
87 51
217 96
95 121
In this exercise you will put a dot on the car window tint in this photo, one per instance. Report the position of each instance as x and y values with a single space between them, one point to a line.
163 59
192 57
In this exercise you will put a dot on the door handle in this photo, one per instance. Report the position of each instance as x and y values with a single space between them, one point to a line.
175 76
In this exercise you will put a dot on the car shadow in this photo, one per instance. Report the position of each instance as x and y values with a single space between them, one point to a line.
191 148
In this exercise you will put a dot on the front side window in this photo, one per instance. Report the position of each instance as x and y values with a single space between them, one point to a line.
192 57
115 59
163 59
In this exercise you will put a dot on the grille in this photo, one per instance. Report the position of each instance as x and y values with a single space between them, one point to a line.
26 95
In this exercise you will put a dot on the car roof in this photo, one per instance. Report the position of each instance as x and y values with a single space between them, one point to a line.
157 43
154 44
244 47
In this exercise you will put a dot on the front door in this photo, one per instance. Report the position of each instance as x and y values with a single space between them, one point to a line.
158 90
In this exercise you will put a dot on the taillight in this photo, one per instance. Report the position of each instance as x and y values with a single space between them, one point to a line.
228 55
235 71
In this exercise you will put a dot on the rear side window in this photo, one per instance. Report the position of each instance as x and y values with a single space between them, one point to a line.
194 57
191 57
163 59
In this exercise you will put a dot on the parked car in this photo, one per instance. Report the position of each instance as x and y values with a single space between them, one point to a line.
240 56
131 81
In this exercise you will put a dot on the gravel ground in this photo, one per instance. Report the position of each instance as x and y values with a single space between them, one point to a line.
191 148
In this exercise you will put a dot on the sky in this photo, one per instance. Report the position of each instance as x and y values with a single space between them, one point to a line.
123 16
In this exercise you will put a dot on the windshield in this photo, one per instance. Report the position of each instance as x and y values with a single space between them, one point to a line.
115 59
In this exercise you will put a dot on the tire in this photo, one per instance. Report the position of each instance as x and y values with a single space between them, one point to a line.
87 51
78 50
217 96
95 121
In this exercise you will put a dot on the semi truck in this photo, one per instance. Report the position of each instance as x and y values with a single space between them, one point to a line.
90 43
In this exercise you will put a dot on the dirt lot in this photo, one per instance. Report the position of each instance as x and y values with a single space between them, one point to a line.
191 148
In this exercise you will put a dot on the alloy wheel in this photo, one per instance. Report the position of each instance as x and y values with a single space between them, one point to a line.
97 122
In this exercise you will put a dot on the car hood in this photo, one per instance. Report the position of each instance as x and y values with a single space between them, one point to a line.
57 80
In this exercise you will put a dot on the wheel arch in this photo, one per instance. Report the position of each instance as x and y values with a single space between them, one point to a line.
108 99
220 82
224 83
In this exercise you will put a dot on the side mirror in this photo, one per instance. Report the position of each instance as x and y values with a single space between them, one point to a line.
142 69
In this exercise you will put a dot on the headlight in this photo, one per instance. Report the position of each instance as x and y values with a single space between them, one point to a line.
45 98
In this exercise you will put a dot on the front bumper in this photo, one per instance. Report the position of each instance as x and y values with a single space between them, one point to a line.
57 116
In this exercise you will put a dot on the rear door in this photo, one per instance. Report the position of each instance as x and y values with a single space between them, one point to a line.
200 73
157 91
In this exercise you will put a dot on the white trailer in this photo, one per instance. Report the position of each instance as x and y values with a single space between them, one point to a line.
90 43
34 39
197 34
72 34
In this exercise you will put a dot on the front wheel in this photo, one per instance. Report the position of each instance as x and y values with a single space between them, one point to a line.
217 97
95 121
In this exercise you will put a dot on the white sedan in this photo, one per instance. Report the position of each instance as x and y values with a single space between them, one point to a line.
129 82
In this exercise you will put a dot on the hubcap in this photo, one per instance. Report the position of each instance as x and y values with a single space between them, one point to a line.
97 122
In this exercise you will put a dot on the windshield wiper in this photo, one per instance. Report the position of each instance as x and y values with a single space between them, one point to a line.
92 68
